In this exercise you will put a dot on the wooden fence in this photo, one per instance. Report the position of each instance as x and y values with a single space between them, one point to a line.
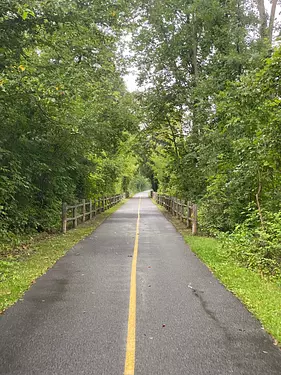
185 211
79 213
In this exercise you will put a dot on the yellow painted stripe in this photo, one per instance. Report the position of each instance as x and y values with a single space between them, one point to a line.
131 337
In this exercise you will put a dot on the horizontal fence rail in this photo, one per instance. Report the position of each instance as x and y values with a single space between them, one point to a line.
79 213
185 211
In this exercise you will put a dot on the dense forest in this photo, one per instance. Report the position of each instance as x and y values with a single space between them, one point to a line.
204 126
66 118
212 115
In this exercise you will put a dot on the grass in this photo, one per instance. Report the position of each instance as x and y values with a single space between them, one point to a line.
261 296
21 266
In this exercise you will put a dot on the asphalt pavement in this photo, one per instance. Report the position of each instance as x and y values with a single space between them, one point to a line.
74 319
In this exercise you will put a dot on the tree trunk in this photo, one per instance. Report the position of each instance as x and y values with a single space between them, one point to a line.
272 19
194 50
174 138
258 200
263 20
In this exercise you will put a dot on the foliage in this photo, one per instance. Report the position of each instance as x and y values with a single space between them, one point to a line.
139 183
186 54
246 143
212 111
64 109
258 248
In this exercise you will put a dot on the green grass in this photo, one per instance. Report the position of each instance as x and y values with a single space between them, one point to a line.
21 266
261 296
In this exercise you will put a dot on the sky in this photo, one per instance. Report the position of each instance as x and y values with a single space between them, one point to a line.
130 79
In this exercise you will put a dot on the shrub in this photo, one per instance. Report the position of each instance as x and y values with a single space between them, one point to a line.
257 246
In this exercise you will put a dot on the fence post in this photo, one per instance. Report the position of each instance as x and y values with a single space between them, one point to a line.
91 209
75 217
84 210
188 214
64 217
194 221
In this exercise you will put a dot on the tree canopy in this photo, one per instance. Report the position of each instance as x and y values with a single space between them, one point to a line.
65 111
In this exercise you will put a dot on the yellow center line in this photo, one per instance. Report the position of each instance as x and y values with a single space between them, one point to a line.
131 336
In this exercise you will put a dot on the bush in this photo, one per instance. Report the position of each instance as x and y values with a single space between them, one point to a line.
257 246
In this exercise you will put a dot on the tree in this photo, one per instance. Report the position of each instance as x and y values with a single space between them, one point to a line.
64 107
267 22
186 54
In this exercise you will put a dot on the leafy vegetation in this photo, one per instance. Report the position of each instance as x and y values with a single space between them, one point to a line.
211 128
65 113
139 183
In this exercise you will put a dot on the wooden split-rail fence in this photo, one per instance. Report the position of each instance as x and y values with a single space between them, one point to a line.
79 213
185 211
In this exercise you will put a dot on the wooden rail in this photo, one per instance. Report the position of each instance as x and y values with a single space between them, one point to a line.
86 210
185 211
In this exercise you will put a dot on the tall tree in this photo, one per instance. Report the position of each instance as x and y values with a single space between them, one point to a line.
64 107
186 53
267 21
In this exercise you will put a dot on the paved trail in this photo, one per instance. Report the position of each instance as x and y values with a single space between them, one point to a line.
74 320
